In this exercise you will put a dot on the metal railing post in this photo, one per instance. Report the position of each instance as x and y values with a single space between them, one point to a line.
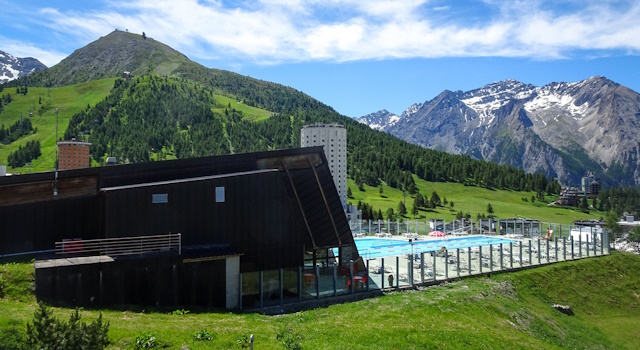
572 255
511 255
521 256
458 260
480 259
435 274
397 271
368 275
422 267
580 245
446 264
491 257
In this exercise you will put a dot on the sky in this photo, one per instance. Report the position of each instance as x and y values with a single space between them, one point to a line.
357 56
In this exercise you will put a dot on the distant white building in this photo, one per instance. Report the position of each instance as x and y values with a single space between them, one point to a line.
333 137
628 223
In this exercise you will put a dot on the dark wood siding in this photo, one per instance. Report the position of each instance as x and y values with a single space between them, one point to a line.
261 217
36 226
255 217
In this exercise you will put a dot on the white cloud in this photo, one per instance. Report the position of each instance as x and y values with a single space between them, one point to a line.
342 30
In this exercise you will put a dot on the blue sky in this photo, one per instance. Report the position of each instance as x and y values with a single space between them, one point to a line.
357 56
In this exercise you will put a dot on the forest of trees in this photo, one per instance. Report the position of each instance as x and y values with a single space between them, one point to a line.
620 200
175 116
20 128
25 154
5 99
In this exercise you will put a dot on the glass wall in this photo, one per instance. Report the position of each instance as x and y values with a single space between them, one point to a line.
323 277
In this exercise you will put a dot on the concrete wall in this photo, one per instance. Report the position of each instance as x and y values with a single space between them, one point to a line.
232 282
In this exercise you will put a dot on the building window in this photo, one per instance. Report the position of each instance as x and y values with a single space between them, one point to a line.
219 194
158 198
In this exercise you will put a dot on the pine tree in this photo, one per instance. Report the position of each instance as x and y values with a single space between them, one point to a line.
390 214
435 199
419 200
402 210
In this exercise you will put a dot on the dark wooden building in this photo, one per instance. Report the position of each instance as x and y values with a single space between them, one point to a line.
267 210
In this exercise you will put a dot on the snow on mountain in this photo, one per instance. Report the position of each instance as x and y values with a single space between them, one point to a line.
561 129
13 67
488 99
379 120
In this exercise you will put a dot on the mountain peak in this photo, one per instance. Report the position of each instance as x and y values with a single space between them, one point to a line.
109 56
560 129
379 119
14 67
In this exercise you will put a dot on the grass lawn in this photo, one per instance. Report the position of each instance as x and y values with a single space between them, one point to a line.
503 311
468 199
69 100
249 112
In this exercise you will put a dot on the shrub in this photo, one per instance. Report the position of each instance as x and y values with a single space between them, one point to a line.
13 337
204 335
179 312
290 337
47 332
243 341
146 341
1 287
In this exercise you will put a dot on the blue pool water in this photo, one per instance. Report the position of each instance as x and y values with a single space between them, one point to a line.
371 248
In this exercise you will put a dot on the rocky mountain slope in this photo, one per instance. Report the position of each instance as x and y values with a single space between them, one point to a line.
109 57
560 129
14 67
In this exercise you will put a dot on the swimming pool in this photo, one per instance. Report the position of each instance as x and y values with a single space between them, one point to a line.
371 248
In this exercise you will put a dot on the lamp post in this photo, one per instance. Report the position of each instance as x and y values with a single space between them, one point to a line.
56 140
55 181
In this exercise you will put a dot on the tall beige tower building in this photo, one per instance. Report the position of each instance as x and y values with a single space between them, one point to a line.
73 155
333 137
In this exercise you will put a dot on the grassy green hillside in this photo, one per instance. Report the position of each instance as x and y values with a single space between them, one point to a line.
468 199
251 113
39 105
505 311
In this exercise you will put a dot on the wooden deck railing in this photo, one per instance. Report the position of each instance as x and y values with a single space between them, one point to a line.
121 246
